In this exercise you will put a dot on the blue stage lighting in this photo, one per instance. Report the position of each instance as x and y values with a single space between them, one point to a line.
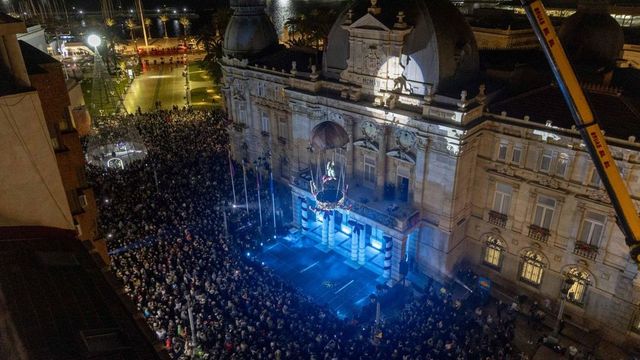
248 254
261 244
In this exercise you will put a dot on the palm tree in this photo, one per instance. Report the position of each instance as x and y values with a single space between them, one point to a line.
185 22
109 22
310 30
147 24
164 19
130 24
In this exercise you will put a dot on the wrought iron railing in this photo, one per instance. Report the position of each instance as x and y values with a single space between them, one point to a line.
585 250
497 219
539 233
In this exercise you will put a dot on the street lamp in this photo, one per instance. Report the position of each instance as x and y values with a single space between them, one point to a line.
566 285
94 41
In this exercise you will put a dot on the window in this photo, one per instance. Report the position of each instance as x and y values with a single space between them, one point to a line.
635 322
502 198
264 122
532 267
502 152
592 228
562 165
493 251
261 89
83 200
517 154
544 212
369 169
594 179
545 163
283 129
242 116
578 289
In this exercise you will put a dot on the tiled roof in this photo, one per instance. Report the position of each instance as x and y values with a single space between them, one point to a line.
61 303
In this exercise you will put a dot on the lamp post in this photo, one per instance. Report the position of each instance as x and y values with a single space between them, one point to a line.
566 285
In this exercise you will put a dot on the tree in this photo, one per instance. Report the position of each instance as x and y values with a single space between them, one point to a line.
211 37
130 24
310 29
164 19
109 22
185 22
147 24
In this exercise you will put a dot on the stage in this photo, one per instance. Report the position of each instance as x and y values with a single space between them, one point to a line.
325 276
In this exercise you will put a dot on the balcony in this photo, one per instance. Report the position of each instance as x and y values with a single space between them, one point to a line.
585 250
539 233
282 140
497 219
264 133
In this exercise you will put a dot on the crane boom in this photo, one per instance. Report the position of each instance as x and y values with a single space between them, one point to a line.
626 212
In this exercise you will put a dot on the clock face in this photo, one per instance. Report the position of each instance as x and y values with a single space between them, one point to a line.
370 129
405 139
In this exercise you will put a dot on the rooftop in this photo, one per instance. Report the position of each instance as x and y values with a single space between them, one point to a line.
61 305
618 114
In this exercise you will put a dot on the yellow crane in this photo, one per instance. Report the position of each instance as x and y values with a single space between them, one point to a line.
627 215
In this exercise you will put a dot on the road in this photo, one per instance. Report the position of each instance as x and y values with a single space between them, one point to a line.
163 83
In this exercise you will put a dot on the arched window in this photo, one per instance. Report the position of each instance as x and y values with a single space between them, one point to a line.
581 281
532 267
494 251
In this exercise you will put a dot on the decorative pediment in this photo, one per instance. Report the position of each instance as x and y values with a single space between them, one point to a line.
368 22
402 156
367 144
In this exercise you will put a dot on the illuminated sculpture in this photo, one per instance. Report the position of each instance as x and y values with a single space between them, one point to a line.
328 182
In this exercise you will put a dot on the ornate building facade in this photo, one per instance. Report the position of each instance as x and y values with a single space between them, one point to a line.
443 168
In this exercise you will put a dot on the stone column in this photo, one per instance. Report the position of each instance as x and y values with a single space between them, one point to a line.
355 238
397 255
361 247
304 216
388 246
332 229
325 228
297 210
381 162
420 170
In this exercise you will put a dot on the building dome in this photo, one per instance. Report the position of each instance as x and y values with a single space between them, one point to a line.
249 31
592 38
440 49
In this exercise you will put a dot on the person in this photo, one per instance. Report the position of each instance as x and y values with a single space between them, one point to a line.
172 256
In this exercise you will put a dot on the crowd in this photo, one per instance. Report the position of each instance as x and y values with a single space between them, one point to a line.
203 292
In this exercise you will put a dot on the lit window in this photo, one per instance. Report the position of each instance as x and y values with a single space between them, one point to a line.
545 163
592 228
369 169
544 212
502 152
265 122
562 164
517 154
493 251
532 267
578 289
502 199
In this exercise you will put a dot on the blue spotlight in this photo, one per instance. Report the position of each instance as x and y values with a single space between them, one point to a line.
274 236
261 244
248 254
